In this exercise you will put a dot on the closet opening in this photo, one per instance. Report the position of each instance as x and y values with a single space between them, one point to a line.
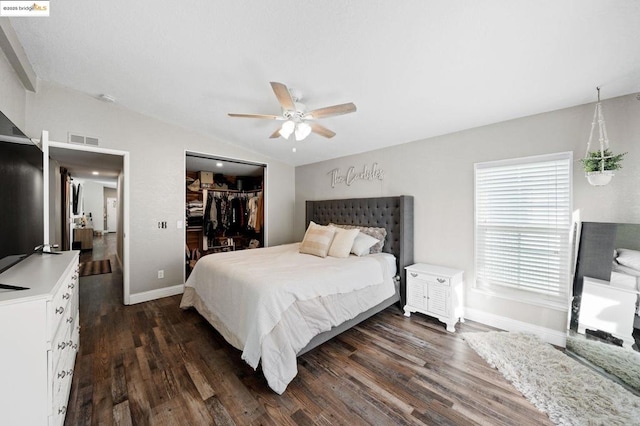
224 206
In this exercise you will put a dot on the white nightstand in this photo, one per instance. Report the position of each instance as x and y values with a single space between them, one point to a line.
435 291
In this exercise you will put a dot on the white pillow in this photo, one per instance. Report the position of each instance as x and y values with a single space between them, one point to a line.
362 244
629 258
317 240
342 242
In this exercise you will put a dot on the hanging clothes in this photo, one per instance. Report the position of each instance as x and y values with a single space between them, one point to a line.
230 213
260 214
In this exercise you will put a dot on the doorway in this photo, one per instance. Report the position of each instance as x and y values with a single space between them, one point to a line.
82 162
225 206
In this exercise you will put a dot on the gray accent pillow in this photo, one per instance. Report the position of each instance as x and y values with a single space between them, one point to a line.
378 233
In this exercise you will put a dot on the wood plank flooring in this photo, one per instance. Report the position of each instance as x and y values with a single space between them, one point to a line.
154 364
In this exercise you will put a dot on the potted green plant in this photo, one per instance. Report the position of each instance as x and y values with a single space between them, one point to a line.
599 166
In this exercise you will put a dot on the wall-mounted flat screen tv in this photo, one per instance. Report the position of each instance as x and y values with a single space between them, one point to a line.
21 195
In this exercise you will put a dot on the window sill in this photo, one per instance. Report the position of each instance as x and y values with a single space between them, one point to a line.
525 297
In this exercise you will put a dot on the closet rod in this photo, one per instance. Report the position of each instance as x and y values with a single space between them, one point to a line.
235 191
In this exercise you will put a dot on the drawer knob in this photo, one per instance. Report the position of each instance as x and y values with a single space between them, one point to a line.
62 410
62 345
66 296
70 286
60 310
64 373
70 320
413 274
441 280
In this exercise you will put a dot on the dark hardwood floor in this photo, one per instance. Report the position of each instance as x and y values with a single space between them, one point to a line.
154 364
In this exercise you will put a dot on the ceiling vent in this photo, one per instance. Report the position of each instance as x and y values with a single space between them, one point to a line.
83 139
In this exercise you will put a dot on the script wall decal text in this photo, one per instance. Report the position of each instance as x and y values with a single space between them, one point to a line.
352 175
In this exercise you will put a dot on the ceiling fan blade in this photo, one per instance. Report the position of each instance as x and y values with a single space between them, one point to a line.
275 134
321 130
331 111
264 116
283 95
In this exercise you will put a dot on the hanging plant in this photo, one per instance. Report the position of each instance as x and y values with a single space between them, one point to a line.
596 161
599 165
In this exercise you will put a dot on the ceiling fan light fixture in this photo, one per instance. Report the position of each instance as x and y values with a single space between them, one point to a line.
287 129
295 113
302 131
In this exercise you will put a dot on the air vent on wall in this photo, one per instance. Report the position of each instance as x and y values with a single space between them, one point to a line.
83 139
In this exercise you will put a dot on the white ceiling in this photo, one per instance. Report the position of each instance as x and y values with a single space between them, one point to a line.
415 69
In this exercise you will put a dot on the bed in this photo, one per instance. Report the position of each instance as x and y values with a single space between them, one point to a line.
274 311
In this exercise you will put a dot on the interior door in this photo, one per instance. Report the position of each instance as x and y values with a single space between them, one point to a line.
112 214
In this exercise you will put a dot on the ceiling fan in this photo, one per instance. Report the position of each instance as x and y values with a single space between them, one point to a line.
297 120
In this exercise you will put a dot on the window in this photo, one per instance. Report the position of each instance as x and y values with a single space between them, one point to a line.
523 224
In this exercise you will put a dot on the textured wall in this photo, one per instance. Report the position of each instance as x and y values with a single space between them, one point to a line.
438 172
156 178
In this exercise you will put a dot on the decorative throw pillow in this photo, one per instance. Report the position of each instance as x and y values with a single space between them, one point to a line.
378 233
317 240
629 258
362 244
342 242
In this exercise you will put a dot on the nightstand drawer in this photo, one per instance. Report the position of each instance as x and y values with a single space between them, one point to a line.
429 278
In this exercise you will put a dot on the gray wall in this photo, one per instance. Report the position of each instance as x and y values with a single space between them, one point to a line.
156 177
438 172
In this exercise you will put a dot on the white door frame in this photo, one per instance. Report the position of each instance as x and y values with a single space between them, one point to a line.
125 199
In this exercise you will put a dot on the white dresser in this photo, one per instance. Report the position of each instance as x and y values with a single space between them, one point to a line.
39 334
435 291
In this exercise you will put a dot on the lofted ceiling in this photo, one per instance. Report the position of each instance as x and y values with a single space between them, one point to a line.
415 69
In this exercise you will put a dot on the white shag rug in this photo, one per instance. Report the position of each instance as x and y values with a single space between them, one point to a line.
621 362
567 391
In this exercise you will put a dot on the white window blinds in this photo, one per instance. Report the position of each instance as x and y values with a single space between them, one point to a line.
523 221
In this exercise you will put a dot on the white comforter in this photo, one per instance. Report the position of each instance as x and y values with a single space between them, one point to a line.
266 302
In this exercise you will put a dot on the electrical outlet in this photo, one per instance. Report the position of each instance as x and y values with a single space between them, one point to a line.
160 273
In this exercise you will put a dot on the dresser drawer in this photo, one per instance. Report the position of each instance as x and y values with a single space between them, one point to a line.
429 278
63 374
60 346
61 306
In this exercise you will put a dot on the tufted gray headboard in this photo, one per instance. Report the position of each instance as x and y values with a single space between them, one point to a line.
395 214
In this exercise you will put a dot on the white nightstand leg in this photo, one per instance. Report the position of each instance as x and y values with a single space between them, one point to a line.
451 327
407 312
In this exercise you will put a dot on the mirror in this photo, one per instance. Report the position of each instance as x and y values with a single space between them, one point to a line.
604 328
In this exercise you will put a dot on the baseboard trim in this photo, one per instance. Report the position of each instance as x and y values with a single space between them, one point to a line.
555 337
147 296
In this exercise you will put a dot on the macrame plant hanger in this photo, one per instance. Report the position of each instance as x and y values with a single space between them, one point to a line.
601 177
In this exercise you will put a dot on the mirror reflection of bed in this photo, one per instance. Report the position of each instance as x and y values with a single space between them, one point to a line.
604 328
